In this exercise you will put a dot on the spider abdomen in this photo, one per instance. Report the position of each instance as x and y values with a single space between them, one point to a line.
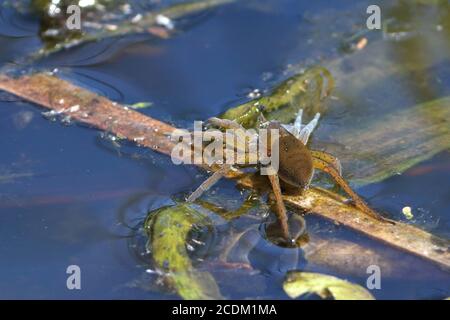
295 161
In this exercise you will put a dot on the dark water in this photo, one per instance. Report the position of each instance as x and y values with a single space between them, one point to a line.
70 195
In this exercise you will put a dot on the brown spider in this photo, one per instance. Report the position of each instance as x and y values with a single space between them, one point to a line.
296 165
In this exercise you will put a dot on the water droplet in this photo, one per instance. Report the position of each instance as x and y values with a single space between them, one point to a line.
266 76
66 120
136 18
164 21
256 93
198 242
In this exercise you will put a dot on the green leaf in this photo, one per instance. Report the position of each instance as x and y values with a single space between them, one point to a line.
168 229
305 89
299 283
140 105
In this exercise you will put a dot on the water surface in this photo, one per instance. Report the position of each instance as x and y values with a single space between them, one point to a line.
70 195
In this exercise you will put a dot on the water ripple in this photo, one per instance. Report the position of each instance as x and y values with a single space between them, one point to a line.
15 25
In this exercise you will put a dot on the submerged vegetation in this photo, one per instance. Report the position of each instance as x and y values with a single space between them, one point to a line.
168 230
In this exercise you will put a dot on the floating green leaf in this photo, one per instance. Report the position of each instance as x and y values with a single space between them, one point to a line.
305 89
298 283
140 105
168 229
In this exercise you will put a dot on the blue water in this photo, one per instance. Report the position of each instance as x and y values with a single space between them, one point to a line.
77 198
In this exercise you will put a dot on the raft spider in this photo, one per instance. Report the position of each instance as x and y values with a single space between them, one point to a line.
296 165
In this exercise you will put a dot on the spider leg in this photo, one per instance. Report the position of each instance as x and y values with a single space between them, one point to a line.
225 123
238 142
359 203
306 131
329 159
298 123
281 209
261 118
208 183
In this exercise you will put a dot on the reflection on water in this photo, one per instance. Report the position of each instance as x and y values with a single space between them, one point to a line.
70 195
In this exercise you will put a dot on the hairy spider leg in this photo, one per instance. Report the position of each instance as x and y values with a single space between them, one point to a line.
281 209
306 131
239 143
359 203
329 159
225 123
208 183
